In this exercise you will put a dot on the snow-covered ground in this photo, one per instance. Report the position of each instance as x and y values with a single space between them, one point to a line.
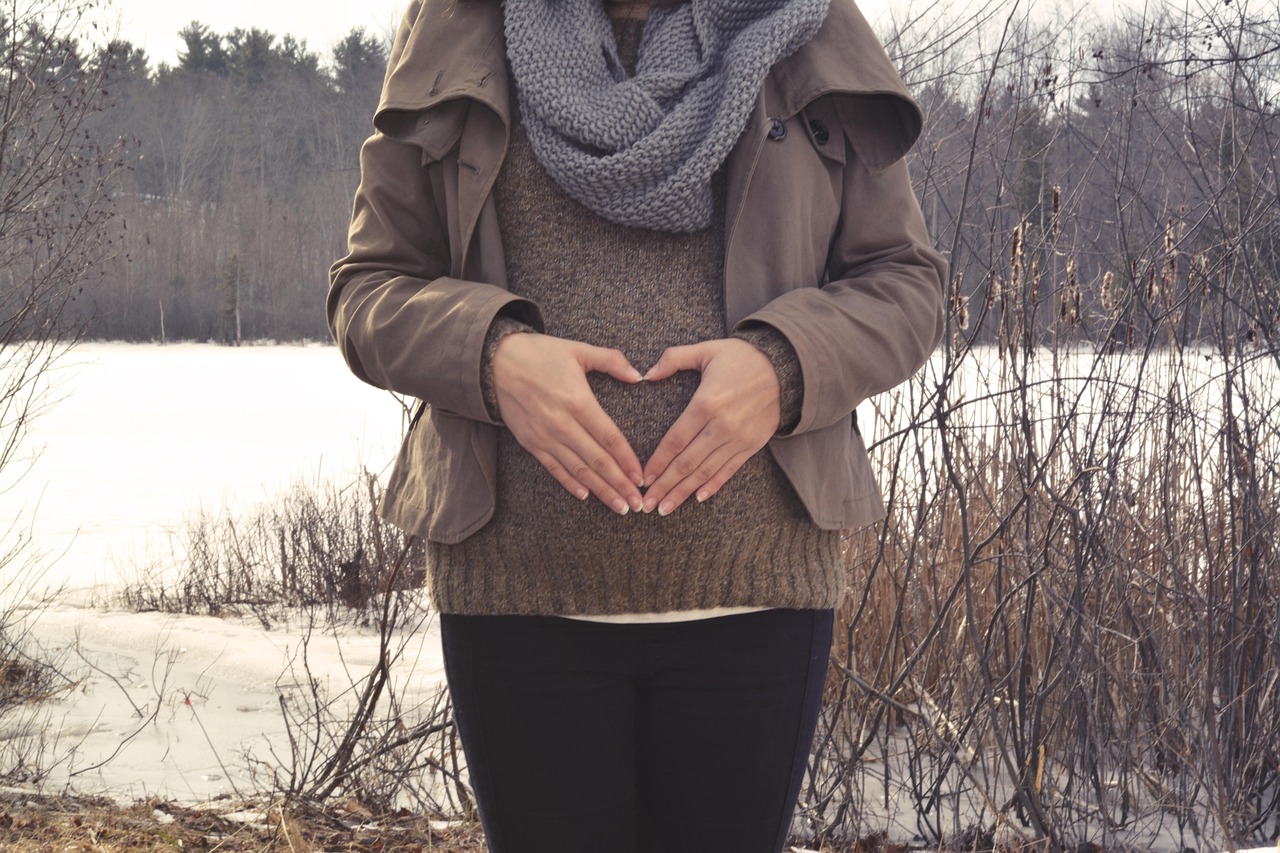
141 438
179 704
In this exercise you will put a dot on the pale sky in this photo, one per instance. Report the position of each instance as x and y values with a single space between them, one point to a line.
153 24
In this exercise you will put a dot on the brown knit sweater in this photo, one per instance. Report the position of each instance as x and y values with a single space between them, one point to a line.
546 553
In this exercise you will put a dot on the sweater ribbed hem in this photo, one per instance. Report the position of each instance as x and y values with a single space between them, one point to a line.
799 570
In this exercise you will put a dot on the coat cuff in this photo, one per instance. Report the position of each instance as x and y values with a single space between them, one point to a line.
785 363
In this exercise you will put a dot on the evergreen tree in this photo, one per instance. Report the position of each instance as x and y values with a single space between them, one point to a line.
204 52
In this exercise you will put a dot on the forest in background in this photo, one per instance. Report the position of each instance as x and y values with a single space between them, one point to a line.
237 168
1132 162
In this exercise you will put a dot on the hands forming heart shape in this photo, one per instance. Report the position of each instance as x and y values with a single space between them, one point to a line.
546 402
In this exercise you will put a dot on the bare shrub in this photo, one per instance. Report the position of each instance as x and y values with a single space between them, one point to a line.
372 742
29 675
322 555
316 547
56 228
1068 629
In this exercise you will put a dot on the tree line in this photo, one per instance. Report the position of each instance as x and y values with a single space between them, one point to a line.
1081 176
242 160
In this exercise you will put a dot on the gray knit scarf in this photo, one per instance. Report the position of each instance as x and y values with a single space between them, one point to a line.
641 150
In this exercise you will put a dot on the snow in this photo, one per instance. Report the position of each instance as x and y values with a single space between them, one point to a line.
143 436
185 699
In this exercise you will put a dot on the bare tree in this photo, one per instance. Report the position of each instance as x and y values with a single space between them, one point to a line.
55 228
55 205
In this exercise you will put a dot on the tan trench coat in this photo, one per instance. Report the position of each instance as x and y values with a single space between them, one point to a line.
824 241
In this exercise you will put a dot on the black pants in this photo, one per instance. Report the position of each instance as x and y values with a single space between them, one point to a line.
584 737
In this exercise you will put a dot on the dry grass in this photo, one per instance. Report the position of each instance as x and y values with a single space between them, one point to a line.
31 824
41 825
24 680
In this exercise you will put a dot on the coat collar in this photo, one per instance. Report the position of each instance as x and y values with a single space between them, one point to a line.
448 50
445 53
845 59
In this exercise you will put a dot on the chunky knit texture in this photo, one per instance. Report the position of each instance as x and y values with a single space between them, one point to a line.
546 553
640 150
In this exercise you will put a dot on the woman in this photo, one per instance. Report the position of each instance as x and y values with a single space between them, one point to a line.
617 251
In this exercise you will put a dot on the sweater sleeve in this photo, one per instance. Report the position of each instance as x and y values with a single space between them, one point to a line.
502 326
778 350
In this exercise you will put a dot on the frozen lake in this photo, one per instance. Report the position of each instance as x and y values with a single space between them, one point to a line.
143 436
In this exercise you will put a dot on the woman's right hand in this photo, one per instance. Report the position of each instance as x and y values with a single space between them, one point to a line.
541 386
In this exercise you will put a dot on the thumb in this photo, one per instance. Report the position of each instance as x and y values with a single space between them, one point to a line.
610 361
676 359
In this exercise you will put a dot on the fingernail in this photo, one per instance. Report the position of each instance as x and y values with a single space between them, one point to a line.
620 507
649 505
666 509
637 503
702 496
583 494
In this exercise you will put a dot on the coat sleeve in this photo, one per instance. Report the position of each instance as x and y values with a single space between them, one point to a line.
880 314
401 322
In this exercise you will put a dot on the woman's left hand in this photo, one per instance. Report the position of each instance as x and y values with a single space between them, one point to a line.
734 413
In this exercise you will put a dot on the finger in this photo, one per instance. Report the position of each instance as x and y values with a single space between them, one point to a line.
589 450
686 428
610 361
619 465
597 442
598 439
675 359
561 475
602 428
565 437
708 489
682 465
578 477
690 472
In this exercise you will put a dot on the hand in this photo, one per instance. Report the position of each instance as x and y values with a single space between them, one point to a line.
544 399
734 413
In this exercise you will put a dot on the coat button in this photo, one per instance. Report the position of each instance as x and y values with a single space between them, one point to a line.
777 130
820 132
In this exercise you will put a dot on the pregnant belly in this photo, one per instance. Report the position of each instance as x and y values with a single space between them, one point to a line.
645 411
